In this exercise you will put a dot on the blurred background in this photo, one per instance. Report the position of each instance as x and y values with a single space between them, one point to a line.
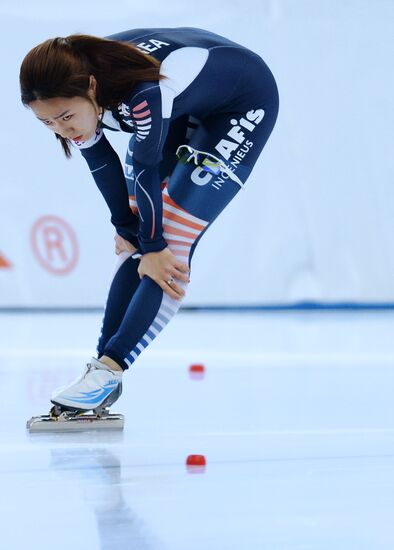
316 220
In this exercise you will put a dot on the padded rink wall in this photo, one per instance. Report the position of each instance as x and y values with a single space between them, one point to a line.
317 218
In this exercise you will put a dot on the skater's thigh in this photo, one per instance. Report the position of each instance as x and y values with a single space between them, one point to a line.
237 138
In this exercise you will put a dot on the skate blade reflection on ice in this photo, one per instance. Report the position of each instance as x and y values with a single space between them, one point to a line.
84 422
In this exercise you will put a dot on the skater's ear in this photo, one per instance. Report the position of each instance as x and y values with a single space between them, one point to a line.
92 85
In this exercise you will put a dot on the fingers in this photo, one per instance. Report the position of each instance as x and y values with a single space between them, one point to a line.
179 273
179 266
182 272
171 288
169 273
184 268
119 249
181 276
121 245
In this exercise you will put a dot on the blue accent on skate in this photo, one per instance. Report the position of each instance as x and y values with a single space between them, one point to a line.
94 396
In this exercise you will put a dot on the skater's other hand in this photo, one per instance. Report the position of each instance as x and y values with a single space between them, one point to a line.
121 245
165 270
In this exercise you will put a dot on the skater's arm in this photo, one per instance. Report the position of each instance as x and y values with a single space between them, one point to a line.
144 110
107 172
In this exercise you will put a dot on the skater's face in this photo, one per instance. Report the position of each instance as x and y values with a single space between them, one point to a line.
72 118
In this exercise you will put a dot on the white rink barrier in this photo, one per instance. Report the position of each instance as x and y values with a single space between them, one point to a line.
316 219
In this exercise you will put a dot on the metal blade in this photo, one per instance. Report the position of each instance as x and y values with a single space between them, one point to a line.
46 423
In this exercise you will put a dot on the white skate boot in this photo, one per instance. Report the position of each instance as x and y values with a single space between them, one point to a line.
96 390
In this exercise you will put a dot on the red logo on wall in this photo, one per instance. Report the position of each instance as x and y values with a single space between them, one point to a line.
54 245
4 263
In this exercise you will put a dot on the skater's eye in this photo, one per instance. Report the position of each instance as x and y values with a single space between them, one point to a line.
64 116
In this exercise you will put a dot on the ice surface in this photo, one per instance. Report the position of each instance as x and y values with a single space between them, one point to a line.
294 415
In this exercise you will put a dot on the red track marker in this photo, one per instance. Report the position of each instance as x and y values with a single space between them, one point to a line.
196 460
197 371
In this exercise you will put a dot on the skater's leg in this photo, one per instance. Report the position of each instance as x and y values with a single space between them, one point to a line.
150 308
125 277
100 386
190 204
149 311
125 281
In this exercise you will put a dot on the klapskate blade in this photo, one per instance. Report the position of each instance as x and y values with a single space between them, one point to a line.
46 423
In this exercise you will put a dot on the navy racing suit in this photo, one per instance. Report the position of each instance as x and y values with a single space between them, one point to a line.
218 97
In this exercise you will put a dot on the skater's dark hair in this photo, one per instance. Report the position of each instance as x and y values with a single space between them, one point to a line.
61 67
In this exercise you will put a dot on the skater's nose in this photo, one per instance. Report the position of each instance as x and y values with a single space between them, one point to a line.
63 128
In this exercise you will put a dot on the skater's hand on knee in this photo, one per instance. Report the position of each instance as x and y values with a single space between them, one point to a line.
121 245
166 271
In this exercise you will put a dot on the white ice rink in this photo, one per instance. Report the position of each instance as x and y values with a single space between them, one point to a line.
295 417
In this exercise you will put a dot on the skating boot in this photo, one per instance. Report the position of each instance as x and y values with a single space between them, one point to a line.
96 390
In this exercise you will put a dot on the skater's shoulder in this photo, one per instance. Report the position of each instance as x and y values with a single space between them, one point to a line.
148 88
